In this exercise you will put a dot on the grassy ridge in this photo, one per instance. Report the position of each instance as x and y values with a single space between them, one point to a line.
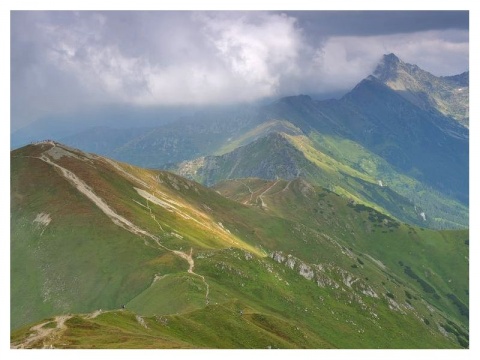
324 225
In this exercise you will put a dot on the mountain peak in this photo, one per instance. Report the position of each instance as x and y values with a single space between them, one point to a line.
391 58
444 95
388 67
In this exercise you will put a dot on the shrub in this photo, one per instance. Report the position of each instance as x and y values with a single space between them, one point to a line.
425 286
461 306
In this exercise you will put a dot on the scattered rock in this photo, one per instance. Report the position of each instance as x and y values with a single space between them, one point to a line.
43 219
306 271
141 321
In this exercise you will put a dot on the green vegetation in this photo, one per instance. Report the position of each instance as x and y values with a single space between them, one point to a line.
324 213
341 165
269 264
170 294
461 306
442 211
425 286
262 130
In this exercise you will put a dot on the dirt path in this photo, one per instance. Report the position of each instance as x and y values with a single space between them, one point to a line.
183 255
154 218
286 187
45 335
190 261
125 173
94 314
263 193
251 193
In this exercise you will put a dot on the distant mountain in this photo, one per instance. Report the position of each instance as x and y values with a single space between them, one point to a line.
203 133
461 80
448 95
269 157
119 117
105 140
289 156
108 255
389 128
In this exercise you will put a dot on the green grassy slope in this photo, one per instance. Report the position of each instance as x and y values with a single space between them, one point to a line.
441 211
81 259
328 221
281 264
288 311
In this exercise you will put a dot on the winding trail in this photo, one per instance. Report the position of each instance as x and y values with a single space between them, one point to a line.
190 261
263 193
46 335
153 217
127 174
286 187
94 314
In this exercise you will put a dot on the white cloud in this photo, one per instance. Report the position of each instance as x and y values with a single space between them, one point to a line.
172 58
241 58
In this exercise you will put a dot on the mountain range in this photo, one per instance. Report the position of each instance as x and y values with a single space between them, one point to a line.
378 133
299 223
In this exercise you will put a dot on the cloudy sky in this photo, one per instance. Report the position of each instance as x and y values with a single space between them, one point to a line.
62 61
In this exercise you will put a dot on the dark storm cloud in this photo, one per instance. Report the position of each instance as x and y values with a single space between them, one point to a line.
62 60
363 23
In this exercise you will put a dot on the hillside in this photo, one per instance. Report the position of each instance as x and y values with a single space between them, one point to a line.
337 164
281 264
